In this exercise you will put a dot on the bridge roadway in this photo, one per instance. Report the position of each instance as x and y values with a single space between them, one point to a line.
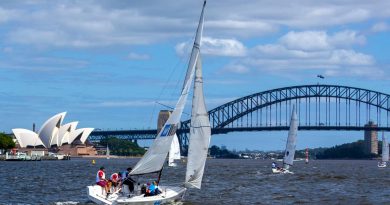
152 133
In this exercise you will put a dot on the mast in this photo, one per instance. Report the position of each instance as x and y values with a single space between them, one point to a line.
196 46
154 159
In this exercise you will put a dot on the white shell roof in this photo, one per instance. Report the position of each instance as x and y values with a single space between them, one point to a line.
49 130
86 133
27 137
63 134
74 134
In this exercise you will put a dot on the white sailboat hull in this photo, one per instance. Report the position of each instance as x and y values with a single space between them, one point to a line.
382 164
169 194
172 164
281 171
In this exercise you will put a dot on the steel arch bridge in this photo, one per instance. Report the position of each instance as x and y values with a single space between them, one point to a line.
319 107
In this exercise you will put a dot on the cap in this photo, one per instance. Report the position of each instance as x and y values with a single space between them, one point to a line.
101 168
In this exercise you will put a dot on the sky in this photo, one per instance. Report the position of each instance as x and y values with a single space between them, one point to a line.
107 62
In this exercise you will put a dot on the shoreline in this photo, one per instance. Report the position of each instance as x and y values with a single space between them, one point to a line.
104 156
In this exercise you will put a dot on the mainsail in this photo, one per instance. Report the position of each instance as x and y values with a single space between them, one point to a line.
385 149
200 133
154 159
174 152
291 140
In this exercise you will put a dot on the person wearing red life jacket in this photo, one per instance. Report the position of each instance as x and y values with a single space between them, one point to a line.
114 179
101 180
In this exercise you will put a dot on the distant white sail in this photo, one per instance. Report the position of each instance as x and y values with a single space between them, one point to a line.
200 133
385 149
174 152
108 153
291 140
154 159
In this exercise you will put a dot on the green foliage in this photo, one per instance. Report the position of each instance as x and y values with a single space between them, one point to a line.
122 147
6 142
354 150
312 153
217 152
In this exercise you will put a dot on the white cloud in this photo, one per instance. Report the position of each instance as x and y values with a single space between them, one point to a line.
320 40
104 23
215 47
42 64
380 27
298 52
129 103
235 27
240 69
350 57
367 72
308 40
136 56
7 15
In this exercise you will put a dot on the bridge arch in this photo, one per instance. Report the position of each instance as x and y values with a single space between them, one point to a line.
225 115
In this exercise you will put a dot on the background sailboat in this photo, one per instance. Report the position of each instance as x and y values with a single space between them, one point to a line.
200 132
385 152
307 155
107 152
174 152
289 152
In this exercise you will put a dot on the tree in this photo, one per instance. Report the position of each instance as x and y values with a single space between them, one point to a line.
122 147
354 150
6 142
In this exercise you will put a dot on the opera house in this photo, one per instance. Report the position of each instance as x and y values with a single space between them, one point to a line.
55 137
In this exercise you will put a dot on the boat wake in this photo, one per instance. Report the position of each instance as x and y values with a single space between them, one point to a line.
66 203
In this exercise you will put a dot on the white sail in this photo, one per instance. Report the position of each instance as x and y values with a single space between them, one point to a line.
200 133
291 140
385 149
174 152
108 153
154 159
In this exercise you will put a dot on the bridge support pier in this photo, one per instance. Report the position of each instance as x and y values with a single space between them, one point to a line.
370 139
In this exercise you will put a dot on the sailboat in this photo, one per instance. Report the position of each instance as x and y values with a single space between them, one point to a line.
385 152
174 152
307 156
155 158
107 152
290 146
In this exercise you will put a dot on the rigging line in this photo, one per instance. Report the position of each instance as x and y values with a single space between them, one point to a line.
165 85
172 108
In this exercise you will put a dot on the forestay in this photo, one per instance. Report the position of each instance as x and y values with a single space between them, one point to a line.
291 140
200 133
154 159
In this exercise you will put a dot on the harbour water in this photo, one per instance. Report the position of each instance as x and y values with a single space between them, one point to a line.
225 182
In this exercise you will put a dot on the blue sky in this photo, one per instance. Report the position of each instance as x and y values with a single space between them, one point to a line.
107 62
